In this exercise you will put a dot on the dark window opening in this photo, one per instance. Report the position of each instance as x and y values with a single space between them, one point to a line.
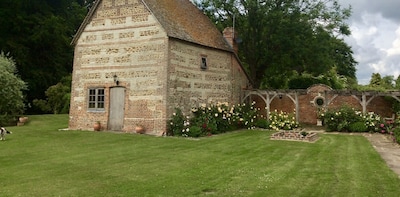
203 63
96 99
319 101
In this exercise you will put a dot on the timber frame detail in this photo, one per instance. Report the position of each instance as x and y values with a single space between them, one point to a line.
363 97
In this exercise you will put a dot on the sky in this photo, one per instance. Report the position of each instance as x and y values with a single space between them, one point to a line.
375 38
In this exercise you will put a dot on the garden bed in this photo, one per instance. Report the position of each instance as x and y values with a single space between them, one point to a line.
295 136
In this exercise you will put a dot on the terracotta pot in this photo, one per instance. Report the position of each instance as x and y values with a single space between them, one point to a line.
97 126
139 129
23 119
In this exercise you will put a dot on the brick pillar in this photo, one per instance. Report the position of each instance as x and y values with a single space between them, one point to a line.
230 35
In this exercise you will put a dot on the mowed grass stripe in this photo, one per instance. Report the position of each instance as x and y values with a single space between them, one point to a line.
38 159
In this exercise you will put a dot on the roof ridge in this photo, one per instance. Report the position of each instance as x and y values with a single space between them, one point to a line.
176 18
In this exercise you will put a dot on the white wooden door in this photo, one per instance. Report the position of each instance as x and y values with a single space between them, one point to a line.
117 103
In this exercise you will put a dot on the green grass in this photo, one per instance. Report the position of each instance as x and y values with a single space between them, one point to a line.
38 159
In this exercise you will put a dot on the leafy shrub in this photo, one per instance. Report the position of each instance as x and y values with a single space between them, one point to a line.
282 120
244 116
372 121
306 80
6 120
302 82
340 119
195 131
387 126
58 97
213 119
396 129
348 119
11 91
176 124
262 123
396 135
358 127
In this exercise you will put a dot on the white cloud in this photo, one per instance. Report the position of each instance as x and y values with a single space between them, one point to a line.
375 38
395 49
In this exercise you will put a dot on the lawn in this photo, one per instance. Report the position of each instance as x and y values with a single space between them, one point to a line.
38 159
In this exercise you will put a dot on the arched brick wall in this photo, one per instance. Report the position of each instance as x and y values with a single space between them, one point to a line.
283 100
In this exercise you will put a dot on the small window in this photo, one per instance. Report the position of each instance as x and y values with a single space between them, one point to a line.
96 99
203 63
319 101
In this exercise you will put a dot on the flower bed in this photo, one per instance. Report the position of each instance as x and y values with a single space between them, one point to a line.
213 119
295 136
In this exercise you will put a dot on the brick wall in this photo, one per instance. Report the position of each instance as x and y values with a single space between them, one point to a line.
307 109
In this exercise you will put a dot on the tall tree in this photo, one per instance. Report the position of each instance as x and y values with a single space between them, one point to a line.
38 35
388 82
284 37
11 102
376 80
397 83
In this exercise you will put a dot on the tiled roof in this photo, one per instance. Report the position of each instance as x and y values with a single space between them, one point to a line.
183 20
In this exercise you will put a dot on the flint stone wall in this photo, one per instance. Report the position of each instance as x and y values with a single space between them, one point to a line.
158 73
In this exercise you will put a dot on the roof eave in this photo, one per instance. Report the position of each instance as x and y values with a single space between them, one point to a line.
85 22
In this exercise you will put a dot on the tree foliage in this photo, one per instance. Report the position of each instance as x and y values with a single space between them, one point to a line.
388 82
397 83
330 78
38 35
284 38
376 80
58 97
11 96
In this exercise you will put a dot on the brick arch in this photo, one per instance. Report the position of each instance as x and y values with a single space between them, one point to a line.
306 112
318 87
267 97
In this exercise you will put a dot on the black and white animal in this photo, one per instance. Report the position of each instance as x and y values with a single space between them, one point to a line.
3 132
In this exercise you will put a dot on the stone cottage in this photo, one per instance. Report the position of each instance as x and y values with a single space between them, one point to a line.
136 60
